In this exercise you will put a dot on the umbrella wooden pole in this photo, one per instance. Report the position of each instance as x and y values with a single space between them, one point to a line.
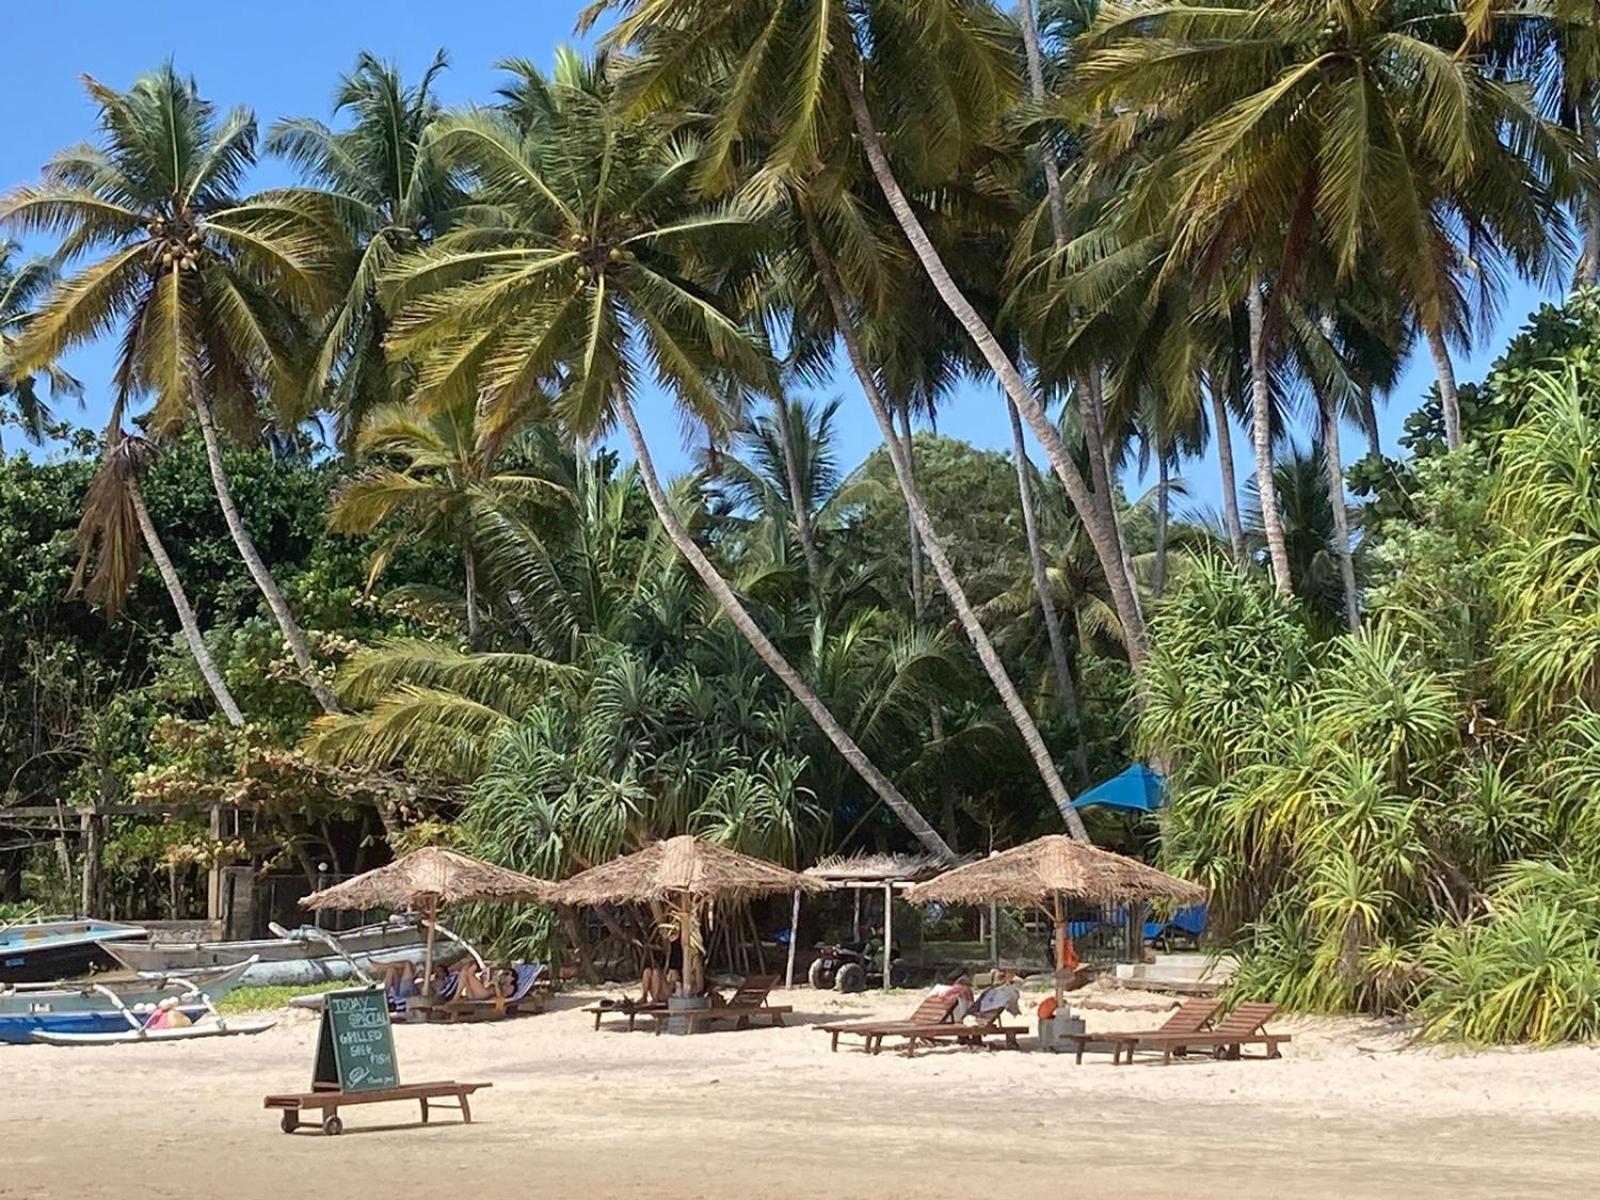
691 965
427 950
1061 947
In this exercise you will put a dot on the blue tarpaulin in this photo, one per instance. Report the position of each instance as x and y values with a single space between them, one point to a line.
1138 789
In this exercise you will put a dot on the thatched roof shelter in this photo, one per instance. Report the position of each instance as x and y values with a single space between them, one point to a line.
687 874
1046 870
429 878
426 880
1055 866
680 867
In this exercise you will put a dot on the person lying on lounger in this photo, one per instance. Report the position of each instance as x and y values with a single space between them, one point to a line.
400 978
959 986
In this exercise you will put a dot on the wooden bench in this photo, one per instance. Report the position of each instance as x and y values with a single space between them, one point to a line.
329 1103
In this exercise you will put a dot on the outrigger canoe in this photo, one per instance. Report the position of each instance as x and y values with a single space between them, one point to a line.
96 1006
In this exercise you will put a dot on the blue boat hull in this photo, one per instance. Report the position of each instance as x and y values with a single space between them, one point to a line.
18 1029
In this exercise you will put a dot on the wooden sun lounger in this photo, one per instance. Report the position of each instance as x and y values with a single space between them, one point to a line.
632 1011
1244 1026
329 1103
934 1010
1189 1017
986 1027
496 1008
748 1000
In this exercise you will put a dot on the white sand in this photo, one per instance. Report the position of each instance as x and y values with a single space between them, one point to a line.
760 1113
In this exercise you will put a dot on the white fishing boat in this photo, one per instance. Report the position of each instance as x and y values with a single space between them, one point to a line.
304 957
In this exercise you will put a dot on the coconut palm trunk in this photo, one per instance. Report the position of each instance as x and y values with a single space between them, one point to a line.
1333 463
469 566
1158 584
1369 422
1102 533
797 497
1230 483
185 611
769 654
1065 684
1261 435
919 593
253 562
1588 271
934 548
1448 400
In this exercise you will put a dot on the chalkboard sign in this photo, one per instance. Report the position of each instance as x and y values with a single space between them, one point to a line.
355 1049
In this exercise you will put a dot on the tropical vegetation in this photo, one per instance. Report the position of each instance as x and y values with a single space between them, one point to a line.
373 548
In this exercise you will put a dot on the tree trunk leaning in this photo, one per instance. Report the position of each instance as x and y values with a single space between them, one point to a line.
769 654
1261 435
1448 400
180 603
934 549
1100 534
253 562
919 592
1334 469
1065 685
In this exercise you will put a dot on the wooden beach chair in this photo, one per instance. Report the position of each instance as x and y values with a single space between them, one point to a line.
1244 1026
748 1000
633 1010
497 1008
1189 1017
979 1030
935 1009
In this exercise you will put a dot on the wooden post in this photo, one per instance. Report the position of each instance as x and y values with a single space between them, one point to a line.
90 824
214 875
888 930
691 962
794 937
994 936
855 927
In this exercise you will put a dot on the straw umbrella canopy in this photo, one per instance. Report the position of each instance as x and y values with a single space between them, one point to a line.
1050 868
688 874
425 881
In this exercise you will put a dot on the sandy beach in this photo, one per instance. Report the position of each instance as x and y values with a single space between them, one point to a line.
762 1113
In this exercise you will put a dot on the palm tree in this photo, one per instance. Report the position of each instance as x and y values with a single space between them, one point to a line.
20 290
381 185
114 524
451 475
601 266
202 286
1302 137
945 68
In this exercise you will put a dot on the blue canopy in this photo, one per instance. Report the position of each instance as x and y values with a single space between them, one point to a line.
1138 789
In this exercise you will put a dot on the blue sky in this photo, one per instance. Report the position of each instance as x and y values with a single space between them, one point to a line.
285 59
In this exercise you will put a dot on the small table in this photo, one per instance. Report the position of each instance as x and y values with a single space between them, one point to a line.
330 1102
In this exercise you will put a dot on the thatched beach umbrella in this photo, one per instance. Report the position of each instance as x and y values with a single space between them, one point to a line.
688 874
1050 868
425 881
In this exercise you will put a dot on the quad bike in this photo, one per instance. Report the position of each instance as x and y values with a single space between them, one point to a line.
849 969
